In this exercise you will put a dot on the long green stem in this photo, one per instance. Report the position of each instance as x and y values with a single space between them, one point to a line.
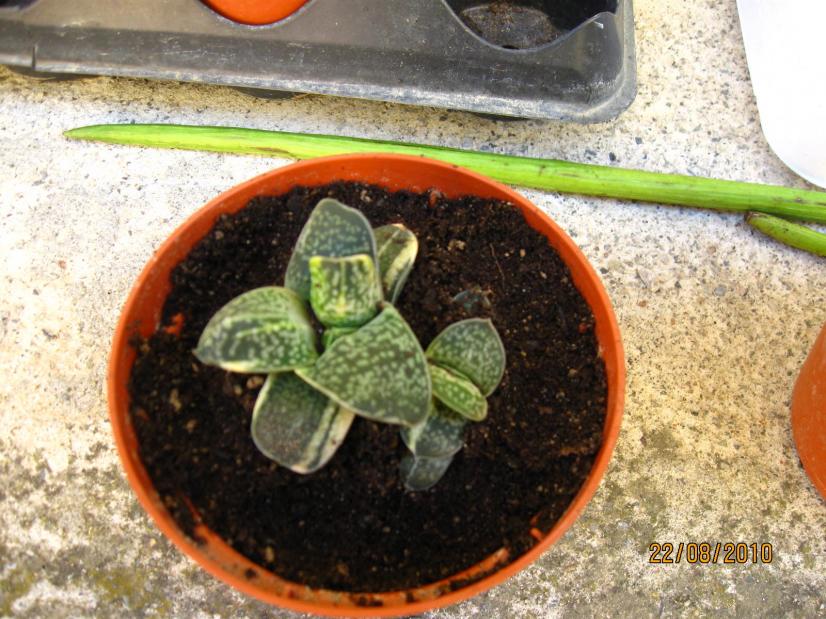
789 233
546 174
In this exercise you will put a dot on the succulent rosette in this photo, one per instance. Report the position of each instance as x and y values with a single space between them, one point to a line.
368 361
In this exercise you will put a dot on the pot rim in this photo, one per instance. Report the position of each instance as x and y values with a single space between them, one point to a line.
389 171
808 414
255 12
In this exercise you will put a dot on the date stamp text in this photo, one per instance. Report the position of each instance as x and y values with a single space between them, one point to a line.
726 553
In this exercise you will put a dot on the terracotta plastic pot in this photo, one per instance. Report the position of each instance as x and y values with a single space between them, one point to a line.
809 414
142 313
255 12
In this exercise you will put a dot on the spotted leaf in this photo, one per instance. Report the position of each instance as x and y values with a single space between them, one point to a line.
263 330
458 393
378 372
396 249
297 426
333 333
421 473
441 434
344 292
333 230
473 349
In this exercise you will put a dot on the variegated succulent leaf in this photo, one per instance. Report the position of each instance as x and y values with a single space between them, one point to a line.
458 393
378 372
471 348
421 473
333 230
440 435
264 330
344 292
333 333
296 425
396 249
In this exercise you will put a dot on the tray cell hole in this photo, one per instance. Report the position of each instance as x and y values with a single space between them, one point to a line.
526 24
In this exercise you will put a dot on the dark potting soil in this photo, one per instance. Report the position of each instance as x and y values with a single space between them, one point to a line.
351 526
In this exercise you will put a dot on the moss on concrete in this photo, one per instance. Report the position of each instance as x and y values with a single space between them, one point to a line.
13 586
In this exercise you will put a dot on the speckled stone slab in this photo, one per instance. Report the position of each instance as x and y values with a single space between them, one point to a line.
716 322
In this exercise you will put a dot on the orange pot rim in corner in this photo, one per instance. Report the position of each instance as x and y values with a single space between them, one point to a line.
142 312
809 414
255 12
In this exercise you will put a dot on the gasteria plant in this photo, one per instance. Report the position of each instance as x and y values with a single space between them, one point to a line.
371 365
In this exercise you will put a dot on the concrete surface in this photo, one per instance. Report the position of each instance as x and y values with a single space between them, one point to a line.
716 322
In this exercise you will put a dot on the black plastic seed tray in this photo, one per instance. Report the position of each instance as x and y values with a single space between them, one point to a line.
565 59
